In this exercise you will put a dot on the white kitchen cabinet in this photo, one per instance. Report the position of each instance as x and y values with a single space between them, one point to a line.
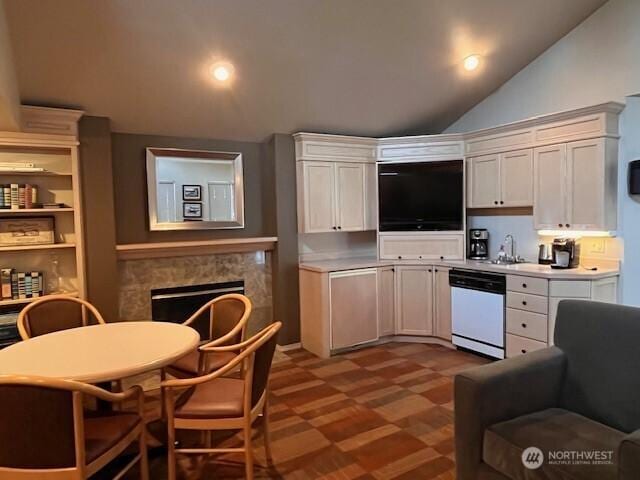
501 180
575 185
354 307
333 197
414 300
386 301
442 303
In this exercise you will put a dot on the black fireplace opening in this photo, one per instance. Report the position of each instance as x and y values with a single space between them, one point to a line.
177 304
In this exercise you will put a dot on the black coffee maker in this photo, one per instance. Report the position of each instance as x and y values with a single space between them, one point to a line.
566 253
478 244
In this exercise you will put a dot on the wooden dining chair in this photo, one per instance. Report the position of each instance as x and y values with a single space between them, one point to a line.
45 434
225 320
216 402
53 313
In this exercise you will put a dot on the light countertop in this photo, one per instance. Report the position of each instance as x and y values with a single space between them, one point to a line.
526 269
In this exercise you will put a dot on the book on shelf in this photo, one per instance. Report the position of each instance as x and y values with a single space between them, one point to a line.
20 285
19 167
16 196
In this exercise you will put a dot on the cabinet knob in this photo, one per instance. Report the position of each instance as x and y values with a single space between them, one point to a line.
501 202
524 285
393 269
496 202
441 257
567 225
436 270
339 228
419 256
523 351
524 302
560 225
399 257
334 228
524 325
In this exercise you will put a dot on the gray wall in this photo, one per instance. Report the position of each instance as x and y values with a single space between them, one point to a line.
130 187
99 215
596 62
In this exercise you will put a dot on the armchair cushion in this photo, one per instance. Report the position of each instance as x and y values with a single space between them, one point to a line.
187 366
629 455
501 391
103 430
551 430
218 398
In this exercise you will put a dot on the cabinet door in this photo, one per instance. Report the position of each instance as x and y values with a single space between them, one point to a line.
414 300
585 185
350 188
549 187
442 300
516 178
319 197
386 301
485 181
354 307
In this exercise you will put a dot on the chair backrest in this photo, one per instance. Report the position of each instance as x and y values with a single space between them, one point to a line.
54 313
36 426
262 360
219 316
602 345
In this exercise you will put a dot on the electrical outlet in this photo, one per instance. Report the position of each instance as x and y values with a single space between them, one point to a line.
596 245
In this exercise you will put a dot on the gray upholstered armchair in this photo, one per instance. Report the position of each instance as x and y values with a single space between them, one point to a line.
577 402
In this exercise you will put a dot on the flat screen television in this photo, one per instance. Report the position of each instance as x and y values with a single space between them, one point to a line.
425 196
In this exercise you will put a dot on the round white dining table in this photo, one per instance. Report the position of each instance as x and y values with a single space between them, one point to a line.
100 353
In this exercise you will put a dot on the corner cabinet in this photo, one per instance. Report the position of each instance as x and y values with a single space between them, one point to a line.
335 183
500 180
414 300
575 185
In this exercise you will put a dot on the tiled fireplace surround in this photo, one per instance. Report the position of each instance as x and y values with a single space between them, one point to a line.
138 277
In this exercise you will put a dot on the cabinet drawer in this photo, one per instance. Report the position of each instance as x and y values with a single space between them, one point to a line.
527 324
519 345
532 285
422 247
530 303
570 288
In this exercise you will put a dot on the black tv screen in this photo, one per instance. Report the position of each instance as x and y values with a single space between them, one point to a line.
426 196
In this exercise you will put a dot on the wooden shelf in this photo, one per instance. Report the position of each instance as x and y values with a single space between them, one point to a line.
27 248
30 174
6 211
22 301
134 251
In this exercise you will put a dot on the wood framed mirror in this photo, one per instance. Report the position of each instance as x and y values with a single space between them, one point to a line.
194 189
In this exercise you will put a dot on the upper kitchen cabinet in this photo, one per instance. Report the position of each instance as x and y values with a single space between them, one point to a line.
500 180
575 185
336 183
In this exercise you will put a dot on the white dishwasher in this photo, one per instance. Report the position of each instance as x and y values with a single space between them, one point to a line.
478 311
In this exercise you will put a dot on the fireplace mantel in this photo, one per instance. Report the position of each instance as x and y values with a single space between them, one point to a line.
137 251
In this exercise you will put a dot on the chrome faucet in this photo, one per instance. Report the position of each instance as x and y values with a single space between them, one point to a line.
510 247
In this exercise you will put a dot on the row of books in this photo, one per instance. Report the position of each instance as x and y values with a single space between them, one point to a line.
15 196
19 285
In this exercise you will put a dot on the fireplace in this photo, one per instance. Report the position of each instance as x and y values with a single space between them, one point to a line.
176 304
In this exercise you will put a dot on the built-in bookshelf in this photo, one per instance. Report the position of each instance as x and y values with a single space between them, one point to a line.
58 182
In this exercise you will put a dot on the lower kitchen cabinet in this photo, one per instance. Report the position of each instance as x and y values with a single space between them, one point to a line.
386 301
442 303
354 307
414 300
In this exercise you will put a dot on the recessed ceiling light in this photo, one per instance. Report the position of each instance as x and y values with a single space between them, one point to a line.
471 62
222 72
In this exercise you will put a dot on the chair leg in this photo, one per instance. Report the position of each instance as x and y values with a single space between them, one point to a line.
171 441
144 459
267 435
163 409
248 450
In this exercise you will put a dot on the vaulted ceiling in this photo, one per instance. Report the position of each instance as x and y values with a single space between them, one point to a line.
363 67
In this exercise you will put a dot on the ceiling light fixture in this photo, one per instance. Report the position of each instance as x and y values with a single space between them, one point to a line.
471 62
222 72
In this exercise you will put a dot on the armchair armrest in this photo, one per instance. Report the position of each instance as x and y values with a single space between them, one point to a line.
629 456
500 391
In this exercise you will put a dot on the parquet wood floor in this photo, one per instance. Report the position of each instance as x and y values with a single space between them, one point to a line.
384 412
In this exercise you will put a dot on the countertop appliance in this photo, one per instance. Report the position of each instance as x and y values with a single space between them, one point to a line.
478 244
478 311
566 253
421 196
545 256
